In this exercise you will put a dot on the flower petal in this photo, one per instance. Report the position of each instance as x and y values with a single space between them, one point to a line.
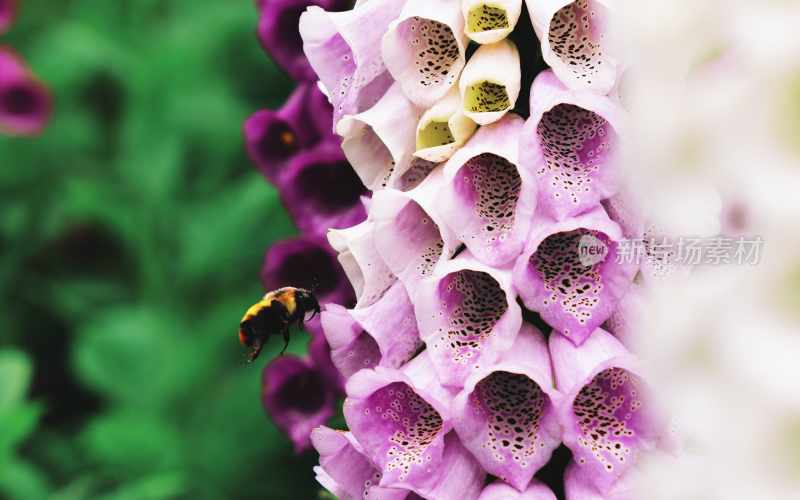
574 42
579 487
319 351
443 129
274 137
379 142
363 265
25 104
383 334
409 233
569 273
627 320
401 419
314 210
501 491
352 347
306 263
570 144
8 12
467 314
459 475
490 21
487 201
506 413
344 50
350 472
297 398
490 84
424 49
279 35
607 416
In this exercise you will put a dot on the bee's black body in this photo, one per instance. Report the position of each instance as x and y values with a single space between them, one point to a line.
273 315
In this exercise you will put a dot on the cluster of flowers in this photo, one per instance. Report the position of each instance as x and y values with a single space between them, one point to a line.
24 102
297 152
487 330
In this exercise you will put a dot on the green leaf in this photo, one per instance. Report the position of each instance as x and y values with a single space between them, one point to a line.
130 444
15 375
130 355
21 481
17 424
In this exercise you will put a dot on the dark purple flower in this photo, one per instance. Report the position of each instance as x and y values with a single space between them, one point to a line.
321 190
298 397
24 101
306 263
280 36
274 137
8 10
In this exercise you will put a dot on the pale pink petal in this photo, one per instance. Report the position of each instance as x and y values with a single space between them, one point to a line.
570 144
384 333
570 274
575 42
607 414
487 200
410 235
467 315
344 50
501 491
361 262
380 141
506 413
424 49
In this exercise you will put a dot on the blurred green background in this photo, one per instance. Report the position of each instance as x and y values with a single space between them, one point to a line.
131 236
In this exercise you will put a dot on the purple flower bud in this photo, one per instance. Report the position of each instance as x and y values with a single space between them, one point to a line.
24 102
273 138
279 33
8 11
321 191
304 262
297 397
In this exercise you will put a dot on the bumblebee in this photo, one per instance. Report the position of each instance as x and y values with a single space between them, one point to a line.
273 315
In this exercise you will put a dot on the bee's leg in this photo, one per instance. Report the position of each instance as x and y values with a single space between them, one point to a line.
285 334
